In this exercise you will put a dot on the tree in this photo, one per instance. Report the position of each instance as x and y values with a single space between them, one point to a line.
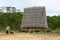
11 19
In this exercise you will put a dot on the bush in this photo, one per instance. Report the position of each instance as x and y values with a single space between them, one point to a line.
49 30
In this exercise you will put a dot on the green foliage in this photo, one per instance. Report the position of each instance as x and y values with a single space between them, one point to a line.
10 19
53 22
49 30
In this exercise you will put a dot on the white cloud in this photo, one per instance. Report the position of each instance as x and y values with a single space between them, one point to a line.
52 6
34 3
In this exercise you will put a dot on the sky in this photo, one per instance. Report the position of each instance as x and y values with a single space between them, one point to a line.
52 6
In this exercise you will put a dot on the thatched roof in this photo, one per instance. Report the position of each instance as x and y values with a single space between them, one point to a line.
34 17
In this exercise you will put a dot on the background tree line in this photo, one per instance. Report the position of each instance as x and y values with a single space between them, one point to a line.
10 19
53 23
14 21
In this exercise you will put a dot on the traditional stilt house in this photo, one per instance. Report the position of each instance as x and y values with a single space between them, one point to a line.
34 19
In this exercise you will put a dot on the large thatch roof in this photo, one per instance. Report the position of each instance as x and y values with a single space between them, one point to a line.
34 17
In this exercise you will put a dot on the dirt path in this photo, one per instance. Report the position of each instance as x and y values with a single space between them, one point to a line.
28 36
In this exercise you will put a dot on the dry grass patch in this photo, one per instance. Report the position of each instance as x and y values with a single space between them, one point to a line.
29 36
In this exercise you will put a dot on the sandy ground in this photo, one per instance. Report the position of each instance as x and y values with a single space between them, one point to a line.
29 36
